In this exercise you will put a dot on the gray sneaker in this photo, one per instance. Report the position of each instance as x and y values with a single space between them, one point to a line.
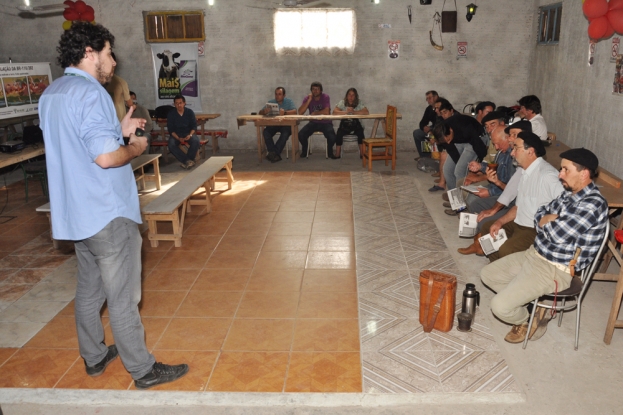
161 373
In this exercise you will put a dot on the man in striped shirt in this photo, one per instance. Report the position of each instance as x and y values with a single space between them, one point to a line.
575 219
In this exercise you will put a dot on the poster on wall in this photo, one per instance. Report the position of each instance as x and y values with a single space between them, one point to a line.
614 49
175 72
617 85
21 86
394 48
461 50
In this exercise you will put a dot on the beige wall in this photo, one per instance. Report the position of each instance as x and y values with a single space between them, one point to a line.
240 69
578 104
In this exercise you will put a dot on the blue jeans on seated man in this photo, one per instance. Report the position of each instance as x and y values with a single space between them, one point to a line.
109 269
312 127
284 133
452 171
193 144
419 137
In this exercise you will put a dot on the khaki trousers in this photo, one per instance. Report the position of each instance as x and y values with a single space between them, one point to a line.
520 238
518 279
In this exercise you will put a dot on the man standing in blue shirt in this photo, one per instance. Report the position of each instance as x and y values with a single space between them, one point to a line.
182 126
286 107
94 202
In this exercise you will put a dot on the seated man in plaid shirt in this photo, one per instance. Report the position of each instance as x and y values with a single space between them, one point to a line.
575 219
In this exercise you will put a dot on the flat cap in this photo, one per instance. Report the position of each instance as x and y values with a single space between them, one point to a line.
493 115
523 125
534 141
583 157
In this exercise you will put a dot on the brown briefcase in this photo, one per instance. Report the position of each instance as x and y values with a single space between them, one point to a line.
437 300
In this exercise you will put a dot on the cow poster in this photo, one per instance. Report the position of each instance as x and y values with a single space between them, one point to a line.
175 72
21 86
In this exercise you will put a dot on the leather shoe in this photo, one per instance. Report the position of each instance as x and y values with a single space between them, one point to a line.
276 158
447 205
450 212
539 324
517 334
445 197
161 373
436 188
436 174
100 367
474 248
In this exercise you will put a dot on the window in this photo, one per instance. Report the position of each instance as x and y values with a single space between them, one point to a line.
174 26
549 24
315 31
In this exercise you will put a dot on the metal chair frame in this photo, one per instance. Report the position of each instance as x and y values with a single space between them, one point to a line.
575 291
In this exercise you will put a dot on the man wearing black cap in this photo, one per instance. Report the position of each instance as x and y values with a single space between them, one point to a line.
577 218
538 185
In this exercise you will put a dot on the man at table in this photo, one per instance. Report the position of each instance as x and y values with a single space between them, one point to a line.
286 107
94 202
318 103
576 219
182 125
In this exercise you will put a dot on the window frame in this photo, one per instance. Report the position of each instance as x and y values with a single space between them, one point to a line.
323 50
165 15
549 34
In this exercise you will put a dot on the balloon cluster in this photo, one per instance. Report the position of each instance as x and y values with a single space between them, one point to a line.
77 10
605 17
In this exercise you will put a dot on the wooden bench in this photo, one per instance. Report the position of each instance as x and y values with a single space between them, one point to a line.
138 165
46 209
171 206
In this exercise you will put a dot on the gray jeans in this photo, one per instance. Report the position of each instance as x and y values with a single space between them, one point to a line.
109 269
454 172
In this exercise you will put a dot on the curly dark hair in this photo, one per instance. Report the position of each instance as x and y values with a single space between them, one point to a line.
72 46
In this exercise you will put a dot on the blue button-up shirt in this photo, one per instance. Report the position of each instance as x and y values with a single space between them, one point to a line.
79 124
581 223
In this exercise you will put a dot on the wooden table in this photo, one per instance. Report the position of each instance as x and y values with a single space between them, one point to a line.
293 121
7 159
7 123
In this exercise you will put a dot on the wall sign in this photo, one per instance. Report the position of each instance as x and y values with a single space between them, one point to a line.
461 50
394 48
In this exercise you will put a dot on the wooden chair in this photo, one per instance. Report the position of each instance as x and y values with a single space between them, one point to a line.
388 143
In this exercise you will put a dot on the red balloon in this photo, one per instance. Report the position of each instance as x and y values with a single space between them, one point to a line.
81 6
615 17
592 8
88 16
69 3
70 14
598 27
615 4
609 32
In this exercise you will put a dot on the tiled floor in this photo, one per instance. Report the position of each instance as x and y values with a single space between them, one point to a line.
296 282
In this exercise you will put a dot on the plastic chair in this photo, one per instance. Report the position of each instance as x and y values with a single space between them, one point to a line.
35 170
576 292
348 138
309 146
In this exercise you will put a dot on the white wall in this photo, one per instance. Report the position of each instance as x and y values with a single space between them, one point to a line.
241 70
577 100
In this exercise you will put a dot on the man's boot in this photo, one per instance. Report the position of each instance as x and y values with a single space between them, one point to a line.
474 248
